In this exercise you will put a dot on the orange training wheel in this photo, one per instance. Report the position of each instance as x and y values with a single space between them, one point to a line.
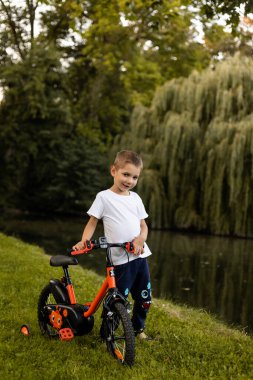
25 330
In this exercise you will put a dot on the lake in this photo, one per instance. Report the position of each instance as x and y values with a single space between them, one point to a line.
208 272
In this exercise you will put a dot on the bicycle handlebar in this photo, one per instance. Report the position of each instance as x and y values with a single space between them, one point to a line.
101 243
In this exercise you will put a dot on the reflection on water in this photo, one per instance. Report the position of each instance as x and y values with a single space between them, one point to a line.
214 273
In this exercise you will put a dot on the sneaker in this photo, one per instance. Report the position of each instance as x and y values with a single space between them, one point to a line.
143 336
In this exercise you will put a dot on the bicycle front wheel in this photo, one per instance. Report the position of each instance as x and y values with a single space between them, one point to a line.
117 331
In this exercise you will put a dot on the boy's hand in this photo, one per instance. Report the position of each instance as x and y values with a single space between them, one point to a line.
138 243
78 246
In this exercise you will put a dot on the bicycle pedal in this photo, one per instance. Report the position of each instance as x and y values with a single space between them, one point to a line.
66 334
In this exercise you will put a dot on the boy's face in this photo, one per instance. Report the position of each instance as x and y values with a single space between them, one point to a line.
125 178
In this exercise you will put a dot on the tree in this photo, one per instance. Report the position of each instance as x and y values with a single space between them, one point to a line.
45 164
196 141
222 43
210 9
17 27
165 34
79 77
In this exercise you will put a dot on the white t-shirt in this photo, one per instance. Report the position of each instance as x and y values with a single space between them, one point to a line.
121 215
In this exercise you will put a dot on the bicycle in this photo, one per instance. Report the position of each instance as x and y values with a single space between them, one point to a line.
60 316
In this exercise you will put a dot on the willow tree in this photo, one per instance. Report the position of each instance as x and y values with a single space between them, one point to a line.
197 143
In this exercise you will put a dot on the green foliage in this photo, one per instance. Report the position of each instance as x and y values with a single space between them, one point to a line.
165 34
218 41
54 167
99 102
70 87
214 8
58 18
69 175
196 143
191 343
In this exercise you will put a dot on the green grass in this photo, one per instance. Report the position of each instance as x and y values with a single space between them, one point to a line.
191 344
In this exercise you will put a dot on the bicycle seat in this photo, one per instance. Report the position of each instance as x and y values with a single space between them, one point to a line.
62 261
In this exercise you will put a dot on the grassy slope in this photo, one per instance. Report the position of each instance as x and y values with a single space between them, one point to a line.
192 344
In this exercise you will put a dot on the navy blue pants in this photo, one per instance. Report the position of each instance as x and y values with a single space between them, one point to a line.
134 278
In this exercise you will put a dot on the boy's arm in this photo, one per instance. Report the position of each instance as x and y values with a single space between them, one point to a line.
87 233
140 240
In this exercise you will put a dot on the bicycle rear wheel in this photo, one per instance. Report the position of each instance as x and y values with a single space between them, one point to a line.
46 298
117 331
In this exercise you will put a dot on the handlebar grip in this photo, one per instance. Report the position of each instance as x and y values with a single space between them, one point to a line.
88 246
129 247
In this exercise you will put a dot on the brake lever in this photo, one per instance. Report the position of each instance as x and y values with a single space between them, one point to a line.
89 245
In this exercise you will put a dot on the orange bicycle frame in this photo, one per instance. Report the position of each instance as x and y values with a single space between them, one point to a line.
109 283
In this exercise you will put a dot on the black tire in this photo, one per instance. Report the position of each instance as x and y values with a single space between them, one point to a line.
117 331
46 297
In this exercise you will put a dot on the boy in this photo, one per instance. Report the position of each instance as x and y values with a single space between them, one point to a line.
123 214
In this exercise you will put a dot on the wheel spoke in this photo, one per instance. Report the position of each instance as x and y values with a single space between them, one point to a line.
121 348
119 335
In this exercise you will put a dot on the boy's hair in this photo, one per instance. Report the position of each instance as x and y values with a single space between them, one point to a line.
127 157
